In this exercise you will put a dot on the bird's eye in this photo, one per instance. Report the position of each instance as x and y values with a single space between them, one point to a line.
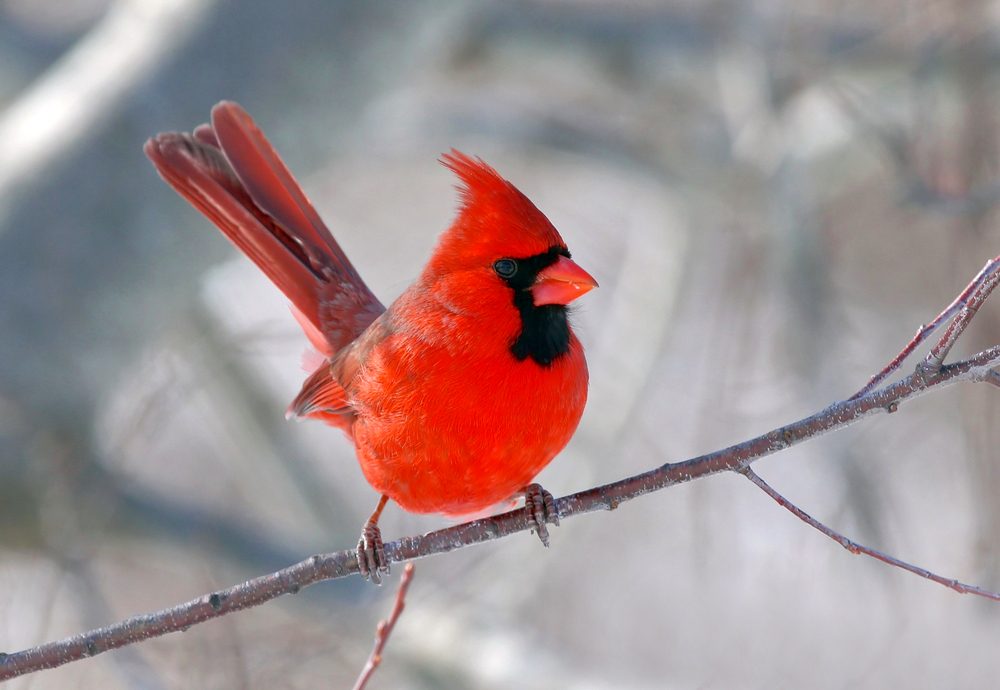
505 268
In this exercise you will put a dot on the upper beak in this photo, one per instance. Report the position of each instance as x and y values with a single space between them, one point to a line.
561 283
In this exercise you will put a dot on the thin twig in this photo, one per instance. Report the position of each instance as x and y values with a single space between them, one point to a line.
979 367
857 548
984 284
988 274
384 629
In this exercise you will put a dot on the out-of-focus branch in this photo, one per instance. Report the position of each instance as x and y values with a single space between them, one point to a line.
384 629
857 548
929 375
74 96
900 147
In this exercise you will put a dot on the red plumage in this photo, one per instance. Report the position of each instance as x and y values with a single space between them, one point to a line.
471 382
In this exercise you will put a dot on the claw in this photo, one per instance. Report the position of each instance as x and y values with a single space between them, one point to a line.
371 552
542 509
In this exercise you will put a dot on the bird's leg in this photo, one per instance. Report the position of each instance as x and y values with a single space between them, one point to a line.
542 509
371 553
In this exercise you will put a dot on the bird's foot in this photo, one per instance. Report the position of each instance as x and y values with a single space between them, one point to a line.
371 554
542 509
371 551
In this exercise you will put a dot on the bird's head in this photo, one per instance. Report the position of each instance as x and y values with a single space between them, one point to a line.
500 233
501 250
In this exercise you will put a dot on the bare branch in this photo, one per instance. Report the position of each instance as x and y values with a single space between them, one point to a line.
980 367
975 292
607 497
857 548
384 629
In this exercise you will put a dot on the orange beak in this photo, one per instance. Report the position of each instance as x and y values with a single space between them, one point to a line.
561 283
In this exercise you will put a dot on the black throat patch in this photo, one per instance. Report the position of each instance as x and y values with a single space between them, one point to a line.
544 332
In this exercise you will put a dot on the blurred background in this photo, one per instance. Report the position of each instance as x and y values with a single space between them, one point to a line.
773 195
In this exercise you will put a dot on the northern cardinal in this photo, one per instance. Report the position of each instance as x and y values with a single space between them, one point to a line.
460 392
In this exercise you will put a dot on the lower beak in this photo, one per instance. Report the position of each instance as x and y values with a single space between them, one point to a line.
561 283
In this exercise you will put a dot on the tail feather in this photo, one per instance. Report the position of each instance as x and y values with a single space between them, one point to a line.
230 172
202 176
270 184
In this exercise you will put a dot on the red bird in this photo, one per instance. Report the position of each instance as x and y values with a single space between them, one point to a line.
460 392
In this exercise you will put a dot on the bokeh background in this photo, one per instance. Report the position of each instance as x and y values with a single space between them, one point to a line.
773 195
